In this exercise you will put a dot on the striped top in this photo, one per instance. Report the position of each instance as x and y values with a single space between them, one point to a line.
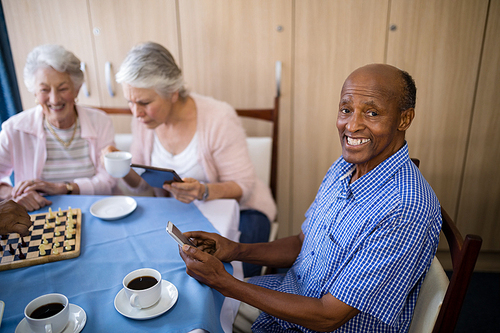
369 244
67 164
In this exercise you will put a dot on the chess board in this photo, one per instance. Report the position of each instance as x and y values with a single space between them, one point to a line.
46 230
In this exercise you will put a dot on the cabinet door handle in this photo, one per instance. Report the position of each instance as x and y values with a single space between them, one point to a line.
278 78
107 72
85 86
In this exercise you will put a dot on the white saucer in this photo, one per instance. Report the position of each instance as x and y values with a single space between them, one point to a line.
168 298
113 207
77 320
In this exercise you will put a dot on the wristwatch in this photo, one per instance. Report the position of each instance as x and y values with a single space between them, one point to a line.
69 187
205 195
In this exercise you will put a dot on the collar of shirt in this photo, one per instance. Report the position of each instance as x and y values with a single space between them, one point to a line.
363 187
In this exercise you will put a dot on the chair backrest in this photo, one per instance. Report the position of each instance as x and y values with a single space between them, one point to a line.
264 150
464 253
430 299
444 314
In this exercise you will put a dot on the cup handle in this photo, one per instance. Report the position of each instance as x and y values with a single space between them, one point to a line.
48 328
133 301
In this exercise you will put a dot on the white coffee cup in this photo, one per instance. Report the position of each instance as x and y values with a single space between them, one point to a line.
56 322
117 163
142 298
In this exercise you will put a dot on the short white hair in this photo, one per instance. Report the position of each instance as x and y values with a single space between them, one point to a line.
54 56
150 65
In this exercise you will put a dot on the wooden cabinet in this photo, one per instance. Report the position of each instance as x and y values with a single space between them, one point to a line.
33 23
119 25
332 38
94 31
479 204
439 44
229 51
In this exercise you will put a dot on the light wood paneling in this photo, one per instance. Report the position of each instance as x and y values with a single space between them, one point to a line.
229 51
332 38
479 206
439 44
119 25
33 23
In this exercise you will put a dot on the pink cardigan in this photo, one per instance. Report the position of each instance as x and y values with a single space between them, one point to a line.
23 149
223 152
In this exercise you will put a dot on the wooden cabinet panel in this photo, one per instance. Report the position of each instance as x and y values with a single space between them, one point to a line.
439 44
332 38
479 209
229 51
33 23
119 25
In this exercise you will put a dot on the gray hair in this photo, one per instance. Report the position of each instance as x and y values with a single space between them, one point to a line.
54 56
150 65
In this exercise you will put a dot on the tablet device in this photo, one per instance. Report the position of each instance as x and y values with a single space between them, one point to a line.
156 177
178 235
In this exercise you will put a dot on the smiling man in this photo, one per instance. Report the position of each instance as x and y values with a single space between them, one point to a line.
369 236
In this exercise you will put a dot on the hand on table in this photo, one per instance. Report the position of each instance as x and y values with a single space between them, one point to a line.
32 200
40 186
13 218
186 192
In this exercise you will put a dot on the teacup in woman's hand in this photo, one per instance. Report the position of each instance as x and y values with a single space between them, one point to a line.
117 163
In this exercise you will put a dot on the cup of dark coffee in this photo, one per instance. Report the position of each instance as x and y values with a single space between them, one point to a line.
47 313
143 287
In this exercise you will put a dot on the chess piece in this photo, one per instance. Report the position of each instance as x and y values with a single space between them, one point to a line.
41 248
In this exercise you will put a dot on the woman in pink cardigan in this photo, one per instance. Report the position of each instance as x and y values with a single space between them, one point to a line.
55 147
199 137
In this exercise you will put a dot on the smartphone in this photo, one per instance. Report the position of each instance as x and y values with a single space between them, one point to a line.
156 177
177 235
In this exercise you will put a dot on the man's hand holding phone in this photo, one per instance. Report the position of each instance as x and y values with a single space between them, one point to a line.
177 235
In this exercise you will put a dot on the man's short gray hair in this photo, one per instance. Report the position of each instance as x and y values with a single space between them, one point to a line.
150 65
54 56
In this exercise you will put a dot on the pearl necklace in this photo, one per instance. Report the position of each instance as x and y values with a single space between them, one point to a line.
51 129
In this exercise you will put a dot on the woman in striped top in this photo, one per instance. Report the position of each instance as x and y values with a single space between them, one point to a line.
55 147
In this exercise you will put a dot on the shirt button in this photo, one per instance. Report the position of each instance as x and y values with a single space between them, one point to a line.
312 253
298 276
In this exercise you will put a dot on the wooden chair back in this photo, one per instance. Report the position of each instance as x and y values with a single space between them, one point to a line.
464 253
271 115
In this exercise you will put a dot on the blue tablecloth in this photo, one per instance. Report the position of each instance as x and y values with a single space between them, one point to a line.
110 250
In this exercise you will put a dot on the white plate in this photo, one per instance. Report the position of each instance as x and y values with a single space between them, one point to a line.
77 320
113 207
168 298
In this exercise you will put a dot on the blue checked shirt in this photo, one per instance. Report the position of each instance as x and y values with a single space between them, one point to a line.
369 244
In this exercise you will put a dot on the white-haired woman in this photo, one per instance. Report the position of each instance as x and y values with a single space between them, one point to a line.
199 137
55 147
